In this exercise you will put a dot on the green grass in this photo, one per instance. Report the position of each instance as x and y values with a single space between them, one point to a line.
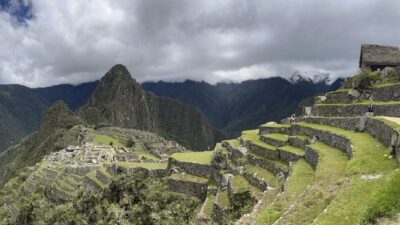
138 150
302 137
277 163
223 199
268 176
254 137
209 205
390 123
328 178
338 184
204 158
188 177
92 176
277 136
294 150
240 184
104 171
104 139
388 84
365 102
341 90
368 153
143 165
299 179
234 142
278 125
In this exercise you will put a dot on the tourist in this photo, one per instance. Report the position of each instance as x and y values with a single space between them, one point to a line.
370 108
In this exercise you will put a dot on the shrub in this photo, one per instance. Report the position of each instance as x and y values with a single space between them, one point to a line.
387 203
130 143
111 143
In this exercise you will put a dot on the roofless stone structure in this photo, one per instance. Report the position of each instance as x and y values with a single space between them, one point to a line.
376 57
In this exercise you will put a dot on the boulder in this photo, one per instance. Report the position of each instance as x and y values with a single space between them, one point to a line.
354 93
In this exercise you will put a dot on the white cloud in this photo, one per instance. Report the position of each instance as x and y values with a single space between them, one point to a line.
73 41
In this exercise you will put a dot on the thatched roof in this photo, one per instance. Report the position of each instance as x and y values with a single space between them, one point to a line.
379 55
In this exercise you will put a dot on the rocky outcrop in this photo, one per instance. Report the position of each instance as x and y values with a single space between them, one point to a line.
120 101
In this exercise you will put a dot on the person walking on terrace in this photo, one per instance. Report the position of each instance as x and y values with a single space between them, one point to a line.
370 108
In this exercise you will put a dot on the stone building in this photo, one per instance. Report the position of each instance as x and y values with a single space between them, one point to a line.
374 57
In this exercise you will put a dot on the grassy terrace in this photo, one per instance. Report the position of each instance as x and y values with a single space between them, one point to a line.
254 137
188 177
301 176
368 153
328 179
387 84
365 102
104 171
194 157
390 122
143 165
240 184
92 176
278 125
302 137
209 205
294 150
277 136
338 188
268 176
223 199
234 142
104 139
280 164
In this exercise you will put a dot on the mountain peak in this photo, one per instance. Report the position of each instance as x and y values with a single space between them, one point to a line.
117 73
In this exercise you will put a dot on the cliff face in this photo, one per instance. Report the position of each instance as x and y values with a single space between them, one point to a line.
119 100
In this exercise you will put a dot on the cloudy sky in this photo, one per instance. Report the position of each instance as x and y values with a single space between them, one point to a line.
45 42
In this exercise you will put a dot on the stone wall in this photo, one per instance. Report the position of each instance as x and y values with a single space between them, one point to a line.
377 128
198 190
355 110
384 133
326 137
288 156
267 153
348 123
138 171
311 156
298 142
261 184
273 141
389 93
103 178
191 168
269 165
267 130
80 170
336 97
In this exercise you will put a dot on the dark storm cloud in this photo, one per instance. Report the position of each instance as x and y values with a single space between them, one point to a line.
73 41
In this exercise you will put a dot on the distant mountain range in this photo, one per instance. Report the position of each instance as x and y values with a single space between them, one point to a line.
233 107
230 107
22 108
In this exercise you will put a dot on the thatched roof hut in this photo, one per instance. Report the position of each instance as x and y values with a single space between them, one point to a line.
379 56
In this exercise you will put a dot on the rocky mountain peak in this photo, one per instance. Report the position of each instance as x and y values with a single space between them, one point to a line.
117 73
